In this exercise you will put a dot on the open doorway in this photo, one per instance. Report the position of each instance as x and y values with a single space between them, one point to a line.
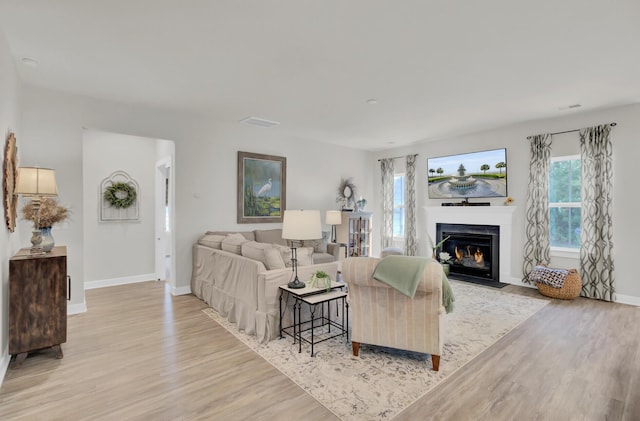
164 220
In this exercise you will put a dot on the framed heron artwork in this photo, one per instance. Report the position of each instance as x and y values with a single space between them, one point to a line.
262 188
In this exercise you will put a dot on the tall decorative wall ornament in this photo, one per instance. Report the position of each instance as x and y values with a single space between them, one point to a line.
346 194
9 182
119 198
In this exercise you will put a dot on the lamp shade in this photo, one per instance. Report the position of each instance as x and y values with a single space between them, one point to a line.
301 225
333 217
33 181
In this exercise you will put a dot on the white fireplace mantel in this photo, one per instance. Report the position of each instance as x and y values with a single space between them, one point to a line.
501 216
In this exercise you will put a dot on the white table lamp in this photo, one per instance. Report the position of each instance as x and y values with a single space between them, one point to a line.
299 225
333 218
36 183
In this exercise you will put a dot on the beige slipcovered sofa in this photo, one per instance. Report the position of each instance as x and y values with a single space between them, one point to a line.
380 315
238 274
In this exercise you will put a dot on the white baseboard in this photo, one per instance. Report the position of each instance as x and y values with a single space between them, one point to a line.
516 281
628 299
4 364
181 290
120 281
76 308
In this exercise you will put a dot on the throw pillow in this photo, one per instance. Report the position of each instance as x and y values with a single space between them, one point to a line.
212 240
320 245
255 251
270 236
304 256
233 243
303 253
285 254
273 258
552 277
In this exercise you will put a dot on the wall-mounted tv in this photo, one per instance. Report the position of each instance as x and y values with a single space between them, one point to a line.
474 174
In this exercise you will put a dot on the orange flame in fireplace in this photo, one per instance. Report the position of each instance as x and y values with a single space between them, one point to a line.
478 256
458 253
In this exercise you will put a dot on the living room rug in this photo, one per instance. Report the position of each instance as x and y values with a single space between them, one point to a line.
381 382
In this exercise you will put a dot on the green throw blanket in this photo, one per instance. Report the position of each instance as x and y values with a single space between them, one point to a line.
403 274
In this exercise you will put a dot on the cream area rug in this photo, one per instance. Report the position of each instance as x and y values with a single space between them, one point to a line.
381 382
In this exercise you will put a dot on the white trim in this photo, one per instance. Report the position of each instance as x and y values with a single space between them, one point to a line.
76 308
628 299
565 252
565 158
4 364
181 290
120 281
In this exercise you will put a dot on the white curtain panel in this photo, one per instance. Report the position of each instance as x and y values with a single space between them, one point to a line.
537 242
410 205
596 235
386 167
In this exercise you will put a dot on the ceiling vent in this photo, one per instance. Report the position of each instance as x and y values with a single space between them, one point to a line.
260 122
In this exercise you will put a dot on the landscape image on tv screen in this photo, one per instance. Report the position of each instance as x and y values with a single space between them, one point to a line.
475 174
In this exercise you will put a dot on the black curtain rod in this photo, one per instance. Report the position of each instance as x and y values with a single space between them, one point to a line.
571 131
397 157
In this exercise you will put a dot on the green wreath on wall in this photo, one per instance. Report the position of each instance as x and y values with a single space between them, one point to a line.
120 195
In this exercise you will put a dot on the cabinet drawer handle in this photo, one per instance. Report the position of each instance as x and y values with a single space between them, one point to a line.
69 287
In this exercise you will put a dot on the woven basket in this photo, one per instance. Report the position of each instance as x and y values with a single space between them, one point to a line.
570 289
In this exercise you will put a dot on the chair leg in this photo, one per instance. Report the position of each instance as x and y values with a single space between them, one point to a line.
435 362
356 347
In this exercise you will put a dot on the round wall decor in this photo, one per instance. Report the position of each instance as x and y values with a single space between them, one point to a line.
9 177
120 195
346 193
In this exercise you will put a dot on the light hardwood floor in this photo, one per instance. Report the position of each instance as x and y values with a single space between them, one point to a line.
139 353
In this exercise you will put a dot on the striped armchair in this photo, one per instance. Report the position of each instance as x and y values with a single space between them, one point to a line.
382 316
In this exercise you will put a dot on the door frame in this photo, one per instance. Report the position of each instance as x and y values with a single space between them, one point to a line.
166 247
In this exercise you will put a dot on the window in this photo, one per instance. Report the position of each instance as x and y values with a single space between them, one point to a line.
398 206
565 203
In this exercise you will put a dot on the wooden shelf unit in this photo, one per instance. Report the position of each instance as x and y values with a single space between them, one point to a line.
355 232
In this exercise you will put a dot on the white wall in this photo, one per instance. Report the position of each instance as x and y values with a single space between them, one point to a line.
104 153
626 149
205 166
9 243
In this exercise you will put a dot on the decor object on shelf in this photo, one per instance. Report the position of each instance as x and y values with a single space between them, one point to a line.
299 225
36 183
119 197
333 218
320 279
262 188
508 201
10 176
50 213
346 193
47 241
361 204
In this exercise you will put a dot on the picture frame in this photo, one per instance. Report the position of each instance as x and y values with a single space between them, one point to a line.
262 188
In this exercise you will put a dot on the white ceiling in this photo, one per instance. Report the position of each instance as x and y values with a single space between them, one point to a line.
436 67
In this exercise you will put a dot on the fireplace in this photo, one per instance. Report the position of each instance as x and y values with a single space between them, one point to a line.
474 251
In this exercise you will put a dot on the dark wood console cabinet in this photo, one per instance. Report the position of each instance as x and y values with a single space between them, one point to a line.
37 302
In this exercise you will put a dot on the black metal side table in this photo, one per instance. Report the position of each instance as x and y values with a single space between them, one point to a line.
317 299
